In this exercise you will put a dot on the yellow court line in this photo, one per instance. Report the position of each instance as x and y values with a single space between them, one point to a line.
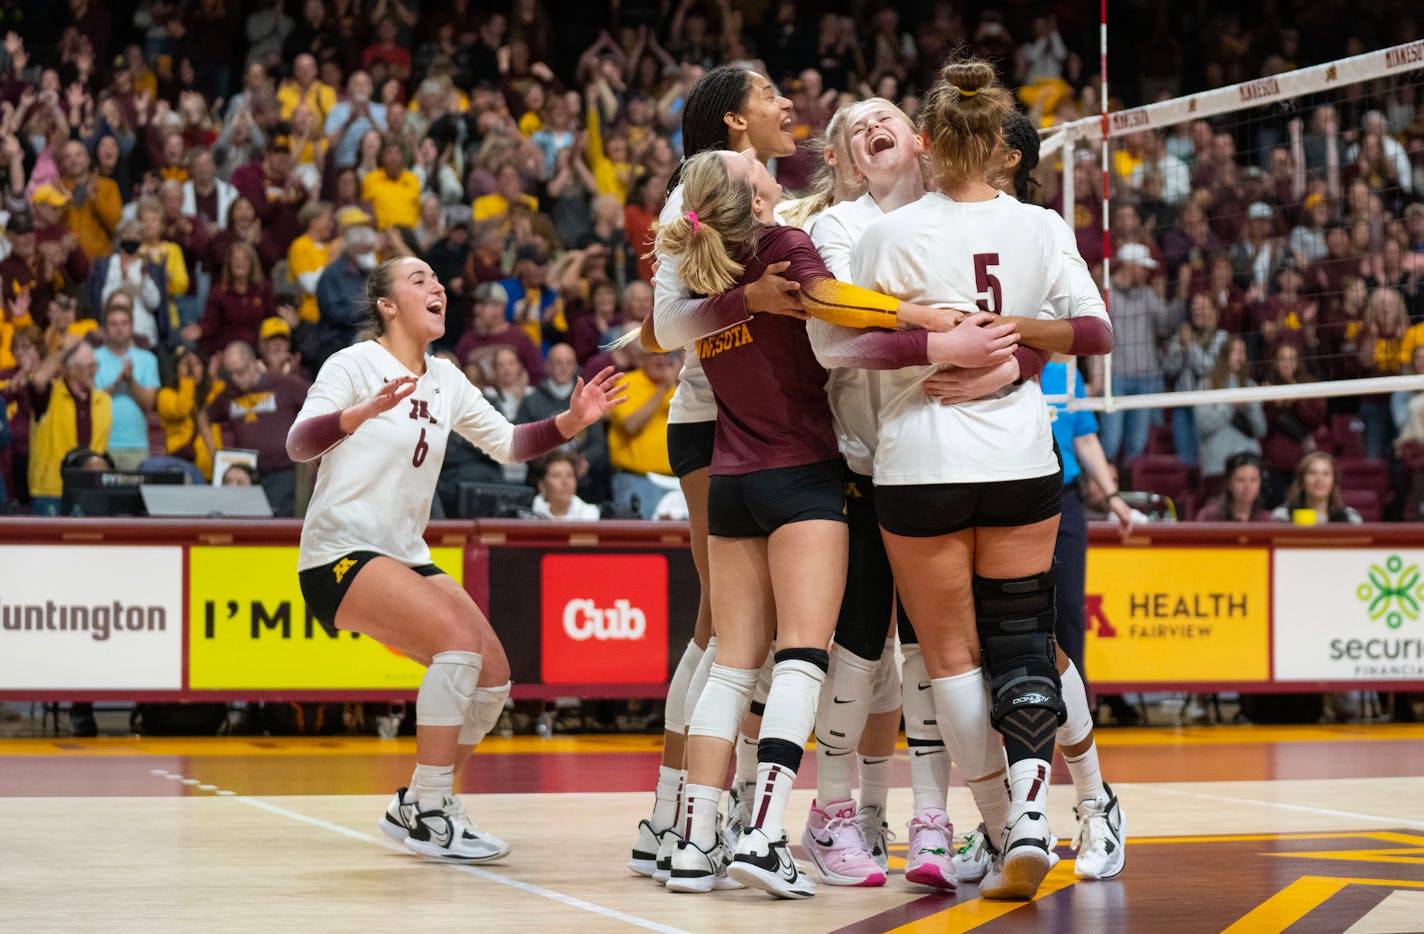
1298 899
1258 837
966 916
640 743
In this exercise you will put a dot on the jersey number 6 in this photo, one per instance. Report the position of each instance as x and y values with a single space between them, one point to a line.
986 281
422 448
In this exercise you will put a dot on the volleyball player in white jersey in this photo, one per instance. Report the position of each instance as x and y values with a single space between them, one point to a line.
883 149
970 493
729 108
379 415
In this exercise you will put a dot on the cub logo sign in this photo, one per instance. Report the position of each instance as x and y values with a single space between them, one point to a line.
604 618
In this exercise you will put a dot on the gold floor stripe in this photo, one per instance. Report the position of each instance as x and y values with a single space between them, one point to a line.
404 746
966 916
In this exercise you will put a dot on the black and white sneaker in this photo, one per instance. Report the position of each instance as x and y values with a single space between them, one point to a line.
644 860
693 869
766 864
1027 855
448 833
399 817
662 868
1102 835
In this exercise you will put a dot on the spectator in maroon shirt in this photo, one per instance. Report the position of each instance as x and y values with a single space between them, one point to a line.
244 226
491 328
600 314
255 411
239 302
43 268
274 191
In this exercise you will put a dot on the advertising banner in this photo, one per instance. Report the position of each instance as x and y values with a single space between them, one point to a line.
1178 615
1349 614
249 628
94 617
604 618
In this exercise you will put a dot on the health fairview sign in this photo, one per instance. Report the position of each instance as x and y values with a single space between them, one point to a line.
1178 615
249 628
1349 614
91 617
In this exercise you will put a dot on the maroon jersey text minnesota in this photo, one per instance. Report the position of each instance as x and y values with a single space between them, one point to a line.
771 392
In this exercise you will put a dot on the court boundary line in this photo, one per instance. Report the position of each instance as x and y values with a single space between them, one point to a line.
475 871
1332 812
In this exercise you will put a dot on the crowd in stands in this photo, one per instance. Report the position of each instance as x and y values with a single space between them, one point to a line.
197 190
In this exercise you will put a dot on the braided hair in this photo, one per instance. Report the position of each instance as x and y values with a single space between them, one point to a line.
1019 134
721 91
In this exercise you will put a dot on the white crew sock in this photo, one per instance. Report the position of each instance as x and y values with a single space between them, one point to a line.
700 822
429 785
875 781
665 803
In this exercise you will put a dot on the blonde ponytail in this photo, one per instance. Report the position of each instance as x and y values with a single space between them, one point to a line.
717 221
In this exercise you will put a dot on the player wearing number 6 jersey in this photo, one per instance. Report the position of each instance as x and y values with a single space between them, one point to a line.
379 415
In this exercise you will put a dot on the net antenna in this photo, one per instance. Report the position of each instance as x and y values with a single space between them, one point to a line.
1267 114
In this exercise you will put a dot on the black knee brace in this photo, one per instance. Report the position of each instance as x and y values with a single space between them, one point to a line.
1015 620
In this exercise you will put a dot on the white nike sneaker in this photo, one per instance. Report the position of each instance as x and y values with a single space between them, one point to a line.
448 833
740 798
662 868
766 864
877 834
1102 835
645 849
693 869
399 817
1025 860
974 855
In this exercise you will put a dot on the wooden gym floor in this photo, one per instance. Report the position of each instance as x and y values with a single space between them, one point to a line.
1241 829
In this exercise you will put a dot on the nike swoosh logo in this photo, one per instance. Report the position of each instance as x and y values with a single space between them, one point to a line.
843 753
826 842
928 753
923 685
837 700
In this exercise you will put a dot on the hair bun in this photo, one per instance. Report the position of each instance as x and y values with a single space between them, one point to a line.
968 76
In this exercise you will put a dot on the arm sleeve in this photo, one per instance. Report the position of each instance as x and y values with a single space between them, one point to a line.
699 317
870 350
1092 336
317 428
535 438
1031 361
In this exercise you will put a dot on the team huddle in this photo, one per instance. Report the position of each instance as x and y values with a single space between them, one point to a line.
861 440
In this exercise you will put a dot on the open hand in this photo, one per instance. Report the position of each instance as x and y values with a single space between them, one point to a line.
593 400
775 295
951 387
982 339
392 394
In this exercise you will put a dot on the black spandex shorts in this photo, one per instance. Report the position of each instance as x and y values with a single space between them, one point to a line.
758 503
928 510
325 587
690 446
870 587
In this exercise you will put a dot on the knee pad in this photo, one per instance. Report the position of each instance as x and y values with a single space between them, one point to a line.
1015 619
886 696
484 713
448 689
675 710
795 688
723 703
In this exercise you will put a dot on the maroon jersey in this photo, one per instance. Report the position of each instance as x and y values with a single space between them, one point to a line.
772 409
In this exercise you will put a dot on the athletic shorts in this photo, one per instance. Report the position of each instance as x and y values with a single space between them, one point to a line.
870 587
758 503
324 587
690 446
930 510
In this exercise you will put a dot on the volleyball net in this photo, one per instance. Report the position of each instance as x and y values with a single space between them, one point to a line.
1263 241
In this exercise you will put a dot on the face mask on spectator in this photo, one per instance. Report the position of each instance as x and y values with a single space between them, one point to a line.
129 246
366 261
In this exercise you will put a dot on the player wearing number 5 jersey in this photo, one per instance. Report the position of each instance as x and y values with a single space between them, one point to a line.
968 495
379 415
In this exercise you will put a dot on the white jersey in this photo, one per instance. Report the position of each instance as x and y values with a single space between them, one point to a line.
853 392
374 488
693 401
1000 255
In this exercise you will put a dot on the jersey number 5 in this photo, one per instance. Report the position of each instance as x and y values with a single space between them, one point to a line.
422 448
986 281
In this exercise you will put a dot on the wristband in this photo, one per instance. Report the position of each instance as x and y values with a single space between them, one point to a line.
1115 494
